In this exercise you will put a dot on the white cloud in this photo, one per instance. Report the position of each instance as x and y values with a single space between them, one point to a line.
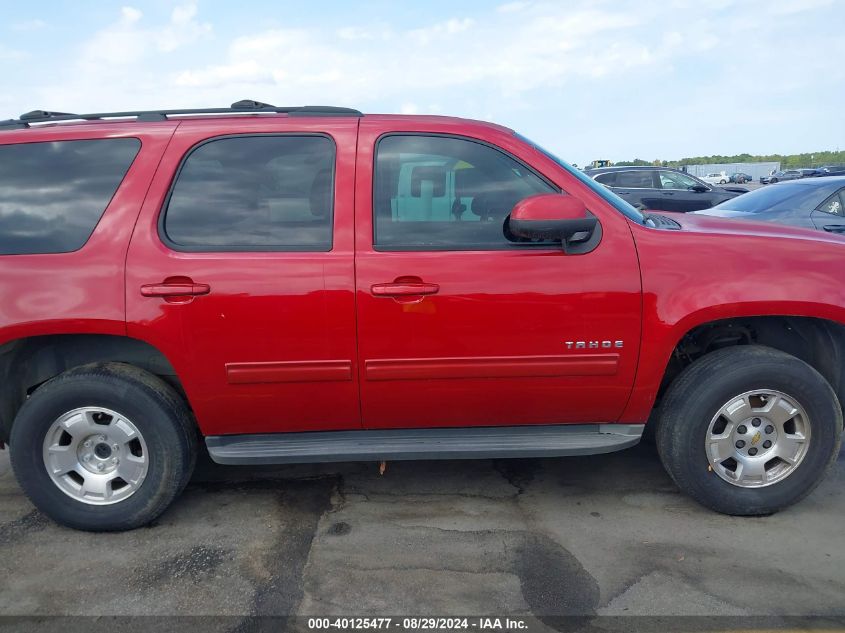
494 53
511 7
290 62
441 30
183 29
129 15
789 7
493 59
29 25
12 55
128 40
355 33
522 63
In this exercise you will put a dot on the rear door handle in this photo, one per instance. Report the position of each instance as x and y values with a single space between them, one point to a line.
402 288
835 228
180 289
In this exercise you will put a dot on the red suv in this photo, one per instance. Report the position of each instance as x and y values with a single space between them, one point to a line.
311 284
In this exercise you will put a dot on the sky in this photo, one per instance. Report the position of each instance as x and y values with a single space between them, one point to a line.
587 79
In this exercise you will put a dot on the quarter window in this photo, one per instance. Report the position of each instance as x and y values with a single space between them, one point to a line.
608 179
833 205
447 193
675 180
254 193
53 194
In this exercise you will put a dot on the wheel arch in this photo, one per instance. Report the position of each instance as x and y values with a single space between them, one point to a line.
28 362
817 341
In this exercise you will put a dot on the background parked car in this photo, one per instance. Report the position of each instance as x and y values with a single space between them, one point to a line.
809 172
662 188
740 178
716 179
831 170
813 203
778 176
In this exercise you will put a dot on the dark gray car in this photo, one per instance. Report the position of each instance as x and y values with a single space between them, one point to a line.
814 203
662 188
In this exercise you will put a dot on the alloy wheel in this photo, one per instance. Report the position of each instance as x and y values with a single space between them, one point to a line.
95 455
758 438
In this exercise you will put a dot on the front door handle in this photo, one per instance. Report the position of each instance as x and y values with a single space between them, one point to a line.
175 289
835 228
405 287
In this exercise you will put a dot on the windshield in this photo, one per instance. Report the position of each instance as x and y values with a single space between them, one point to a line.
618 203
765 199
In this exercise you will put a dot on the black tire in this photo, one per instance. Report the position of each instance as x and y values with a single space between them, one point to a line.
773 181
158 412
698 393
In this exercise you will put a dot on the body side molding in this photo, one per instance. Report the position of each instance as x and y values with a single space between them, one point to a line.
289 371
492 367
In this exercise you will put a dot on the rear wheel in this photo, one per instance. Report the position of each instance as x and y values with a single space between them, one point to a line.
749 430
103 447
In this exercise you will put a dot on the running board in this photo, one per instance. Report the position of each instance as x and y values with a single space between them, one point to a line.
409 444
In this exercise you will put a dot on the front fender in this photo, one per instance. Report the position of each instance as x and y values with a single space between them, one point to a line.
715 269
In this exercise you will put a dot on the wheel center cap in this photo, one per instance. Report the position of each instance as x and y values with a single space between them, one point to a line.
755 437
97 455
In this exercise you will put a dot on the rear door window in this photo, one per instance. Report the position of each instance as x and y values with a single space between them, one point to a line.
53 194
635 179
253 193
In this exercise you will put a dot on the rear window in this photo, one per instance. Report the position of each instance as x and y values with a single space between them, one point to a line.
53 194
780 196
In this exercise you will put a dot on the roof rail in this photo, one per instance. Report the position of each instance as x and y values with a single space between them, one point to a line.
245 106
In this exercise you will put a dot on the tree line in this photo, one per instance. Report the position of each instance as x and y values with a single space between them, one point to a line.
787 161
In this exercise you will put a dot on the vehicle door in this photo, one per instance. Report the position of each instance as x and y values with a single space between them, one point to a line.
683 193
830 215
461 324
240 271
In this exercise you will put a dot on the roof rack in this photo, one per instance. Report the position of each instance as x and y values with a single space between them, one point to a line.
245 106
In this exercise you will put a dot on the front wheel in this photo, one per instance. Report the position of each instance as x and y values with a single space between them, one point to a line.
103 447
749 430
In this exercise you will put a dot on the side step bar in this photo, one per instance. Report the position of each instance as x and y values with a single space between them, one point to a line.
410 444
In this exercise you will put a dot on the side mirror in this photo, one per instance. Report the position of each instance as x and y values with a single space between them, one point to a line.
554 216
699 188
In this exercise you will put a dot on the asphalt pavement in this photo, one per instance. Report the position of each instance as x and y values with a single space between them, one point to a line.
606 534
